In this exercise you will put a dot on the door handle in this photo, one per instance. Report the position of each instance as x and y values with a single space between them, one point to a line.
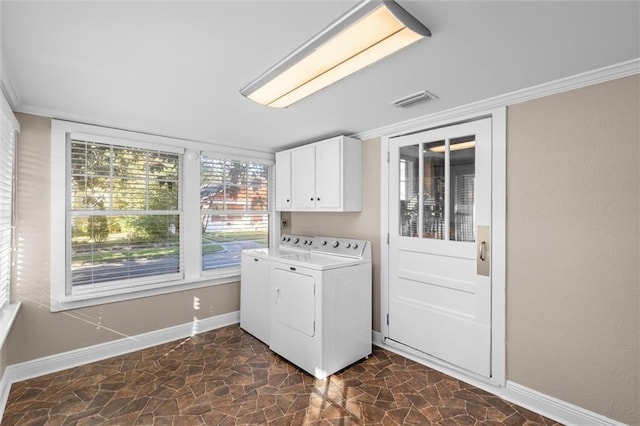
483 261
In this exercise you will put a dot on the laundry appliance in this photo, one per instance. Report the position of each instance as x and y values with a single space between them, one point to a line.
318 296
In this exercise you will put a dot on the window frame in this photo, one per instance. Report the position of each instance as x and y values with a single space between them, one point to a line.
270 211
8 310
191 250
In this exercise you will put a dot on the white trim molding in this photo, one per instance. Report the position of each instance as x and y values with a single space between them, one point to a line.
553 408
8 315
543 404
7 86
58 362
600 75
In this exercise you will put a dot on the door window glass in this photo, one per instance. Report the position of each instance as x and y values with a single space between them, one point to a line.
409 211
437 187
433 190
462 174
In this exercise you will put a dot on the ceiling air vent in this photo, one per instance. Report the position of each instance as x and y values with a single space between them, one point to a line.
422 96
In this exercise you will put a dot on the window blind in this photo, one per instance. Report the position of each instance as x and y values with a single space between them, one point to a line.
124 212
7 163
234 209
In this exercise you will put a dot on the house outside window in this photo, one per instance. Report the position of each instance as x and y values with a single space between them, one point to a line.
234 203
134 215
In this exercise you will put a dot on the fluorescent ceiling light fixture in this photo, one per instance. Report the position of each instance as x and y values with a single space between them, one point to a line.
365 34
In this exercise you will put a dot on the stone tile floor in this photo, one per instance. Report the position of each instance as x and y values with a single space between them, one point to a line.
226 377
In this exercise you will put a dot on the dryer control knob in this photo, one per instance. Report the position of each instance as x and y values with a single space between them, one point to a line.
295 240
355 246
324 242
335 244
348 245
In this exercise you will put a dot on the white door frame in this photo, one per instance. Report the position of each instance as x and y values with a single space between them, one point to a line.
498 238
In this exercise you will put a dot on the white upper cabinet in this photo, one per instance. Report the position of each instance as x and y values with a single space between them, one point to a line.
283 181
322 176
303 178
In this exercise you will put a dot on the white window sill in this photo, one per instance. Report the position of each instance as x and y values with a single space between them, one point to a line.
7 316
74 302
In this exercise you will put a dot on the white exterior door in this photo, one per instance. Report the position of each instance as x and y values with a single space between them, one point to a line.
439 244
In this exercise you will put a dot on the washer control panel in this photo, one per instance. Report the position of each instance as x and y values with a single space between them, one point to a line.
296 241
326 245
339 246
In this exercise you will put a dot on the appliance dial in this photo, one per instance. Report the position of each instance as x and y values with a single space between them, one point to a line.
324 242
305 242
348 245
284 238
288 239
295 240
335 244
355 246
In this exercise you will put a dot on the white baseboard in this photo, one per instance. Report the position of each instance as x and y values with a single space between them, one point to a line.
552 407
543 404
50 364
5 388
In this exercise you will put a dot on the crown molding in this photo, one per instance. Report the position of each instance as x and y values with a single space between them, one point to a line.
6 84
600 75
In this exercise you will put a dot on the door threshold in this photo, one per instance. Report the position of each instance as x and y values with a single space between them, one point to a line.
485 383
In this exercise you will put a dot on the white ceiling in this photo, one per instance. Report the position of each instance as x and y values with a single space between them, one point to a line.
175 68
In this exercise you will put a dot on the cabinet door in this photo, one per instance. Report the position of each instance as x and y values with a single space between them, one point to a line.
303 176
329 174
283 180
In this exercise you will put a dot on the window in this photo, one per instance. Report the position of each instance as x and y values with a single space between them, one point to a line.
134 215
7 159
124 214
234 204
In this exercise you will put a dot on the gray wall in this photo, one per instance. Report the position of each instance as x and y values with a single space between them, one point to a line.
573 262
37 332
573 266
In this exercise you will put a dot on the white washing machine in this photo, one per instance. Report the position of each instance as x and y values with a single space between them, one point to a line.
321 304
309 299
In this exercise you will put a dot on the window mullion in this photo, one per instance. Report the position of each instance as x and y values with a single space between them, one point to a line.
146 181
111 176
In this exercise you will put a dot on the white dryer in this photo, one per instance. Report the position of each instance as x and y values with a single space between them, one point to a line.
321 304
255 287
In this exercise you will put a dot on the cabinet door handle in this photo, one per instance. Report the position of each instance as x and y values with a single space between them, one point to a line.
287 200
311 198
277 295
255 260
